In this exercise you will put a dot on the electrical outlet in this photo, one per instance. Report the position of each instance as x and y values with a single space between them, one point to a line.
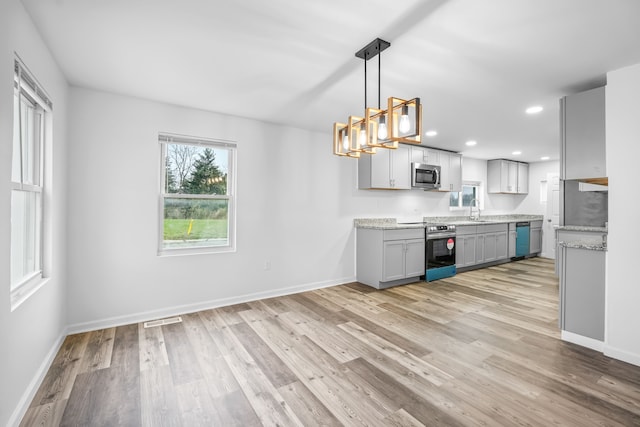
267 265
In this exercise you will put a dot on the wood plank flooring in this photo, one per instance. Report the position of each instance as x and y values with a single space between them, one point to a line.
479 349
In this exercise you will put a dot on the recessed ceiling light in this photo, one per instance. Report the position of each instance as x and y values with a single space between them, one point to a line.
517 153
471 143
431 133
534 110
544 158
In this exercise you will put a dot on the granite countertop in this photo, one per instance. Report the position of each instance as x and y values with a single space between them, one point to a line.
384 224
393 224
587 244
486 219
583 228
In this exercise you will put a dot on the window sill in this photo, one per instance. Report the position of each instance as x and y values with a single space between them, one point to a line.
195 251
24 291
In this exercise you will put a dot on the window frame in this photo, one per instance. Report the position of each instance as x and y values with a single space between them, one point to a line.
28 90
479 198
165 139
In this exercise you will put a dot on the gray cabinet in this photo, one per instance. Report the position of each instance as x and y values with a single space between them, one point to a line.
507 176
466 246
387 258
387 169
493 239
513 235
451 166
522 185
582 131
582 292
480 244
535 237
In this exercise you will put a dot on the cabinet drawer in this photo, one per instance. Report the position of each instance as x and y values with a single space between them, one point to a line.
403 233
462 230
492 228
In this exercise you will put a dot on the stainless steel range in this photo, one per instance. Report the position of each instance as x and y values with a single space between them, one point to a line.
440 253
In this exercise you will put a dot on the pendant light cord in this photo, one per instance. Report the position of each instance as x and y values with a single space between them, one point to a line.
379 59
365 81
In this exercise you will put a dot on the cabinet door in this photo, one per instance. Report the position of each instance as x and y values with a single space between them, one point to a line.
501 245
381 169
512 243
455 172
451 169
511 183
433 157
393 259
583 135
535 241
460 251
469 250
479 248
523 178
583 278
418 154
490 247
414 258
400 174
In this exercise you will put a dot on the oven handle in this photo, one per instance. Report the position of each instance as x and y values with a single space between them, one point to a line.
439 236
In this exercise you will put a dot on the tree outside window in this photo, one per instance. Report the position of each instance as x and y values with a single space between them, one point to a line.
197 197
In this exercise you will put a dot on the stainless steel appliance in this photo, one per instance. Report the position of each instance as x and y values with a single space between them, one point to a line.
440 253
425 176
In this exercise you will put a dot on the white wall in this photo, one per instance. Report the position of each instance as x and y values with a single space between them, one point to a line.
622 338
30 334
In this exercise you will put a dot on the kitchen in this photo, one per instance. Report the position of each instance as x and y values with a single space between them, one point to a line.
105 228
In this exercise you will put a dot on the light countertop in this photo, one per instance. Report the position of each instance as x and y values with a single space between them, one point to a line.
392 223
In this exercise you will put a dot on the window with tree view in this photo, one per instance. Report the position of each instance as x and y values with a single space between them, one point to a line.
470 192
197 201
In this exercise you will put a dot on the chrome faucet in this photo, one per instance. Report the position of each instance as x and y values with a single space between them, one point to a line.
471 203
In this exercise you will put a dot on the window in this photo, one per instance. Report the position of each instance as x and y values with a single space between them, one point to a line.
31 110
462 199
197 198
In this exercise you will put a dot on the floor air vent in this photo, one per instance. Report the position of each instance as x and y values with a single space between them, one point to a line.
160 322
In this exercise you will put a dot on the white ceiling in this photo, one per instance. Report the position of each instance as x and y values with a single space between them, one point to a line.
476 65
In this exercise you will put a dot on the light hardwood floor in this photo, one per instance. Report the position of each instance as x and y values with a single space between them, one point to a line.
481 348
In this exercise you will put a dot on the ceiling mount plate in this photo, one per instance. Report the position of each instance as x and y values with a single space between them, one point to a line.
372 49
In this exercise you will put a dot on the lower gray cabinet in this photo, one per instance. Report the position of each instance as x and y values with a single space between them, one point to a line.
466 245
582 292
513 236
480 244
535 237
386 258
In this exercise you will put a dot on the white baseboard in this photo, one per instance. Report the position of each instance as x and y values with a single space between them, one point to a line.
30 392
582 340
206 305
623 355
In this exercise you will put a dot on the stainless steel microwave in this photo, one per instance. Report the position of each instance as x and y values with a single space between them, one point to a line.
425 176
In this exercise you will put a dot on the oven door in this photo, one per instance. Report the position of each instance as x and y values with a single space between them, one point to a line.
441 251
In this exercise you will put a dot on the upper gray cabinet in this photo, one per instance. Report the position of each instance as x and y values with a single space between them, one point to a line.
386 170
507 176
582 130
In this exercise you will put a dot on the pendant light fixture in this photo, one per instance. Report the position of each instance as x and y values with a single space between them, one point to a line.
400 122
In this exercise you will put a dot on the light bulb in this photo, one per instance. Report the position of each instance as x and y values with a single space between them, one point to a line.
382 128
345 143
362 136
405 124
